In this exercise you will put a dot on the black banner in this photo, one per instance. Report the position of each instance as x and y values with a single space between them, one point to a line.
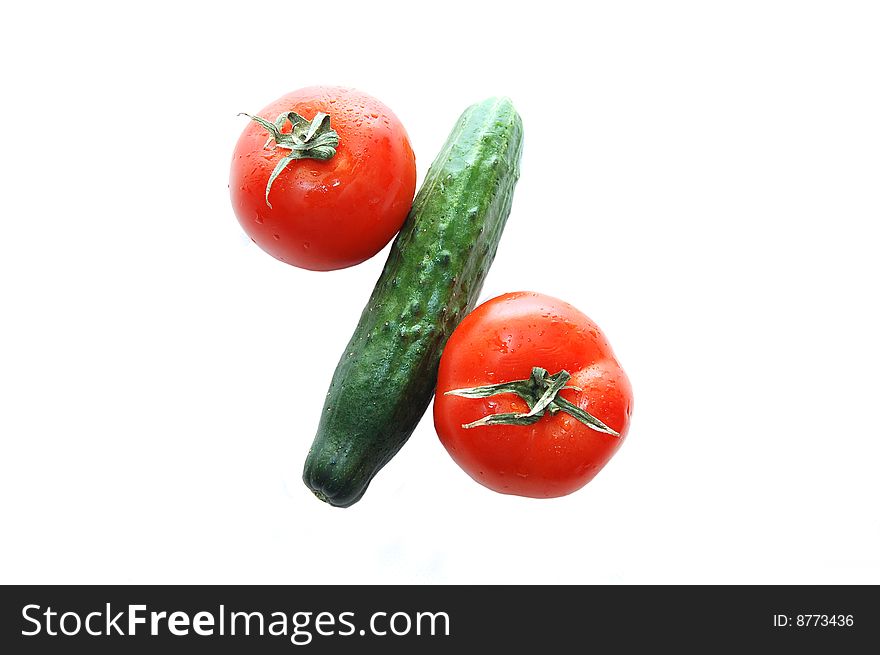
435 619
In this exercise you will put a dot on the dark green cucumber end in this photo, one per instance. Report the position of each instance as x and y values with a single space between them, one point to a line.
325 475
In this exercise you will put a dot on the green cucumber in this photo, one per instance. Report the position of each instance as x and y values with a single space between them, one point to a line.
432 279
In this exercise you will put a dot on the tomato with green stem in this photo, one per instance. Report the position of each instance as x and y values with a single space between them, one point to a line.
323 177
530 398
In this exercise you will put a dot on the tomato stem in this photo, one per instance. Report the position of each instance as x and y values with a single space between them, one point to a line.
313 139
541 393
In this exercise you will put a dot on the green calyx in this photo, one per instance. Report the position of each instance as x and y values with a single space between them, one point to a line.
541 393
313 139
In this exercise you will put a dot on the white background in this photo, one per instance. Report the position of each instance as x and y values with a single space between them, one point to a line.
699 178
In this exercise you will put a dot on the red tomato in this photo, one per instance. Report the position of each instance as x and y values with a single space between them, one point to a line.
502 340
325 215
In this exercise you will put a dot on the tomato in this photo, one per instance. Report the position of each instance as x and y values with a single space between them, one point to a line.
553 453
332 213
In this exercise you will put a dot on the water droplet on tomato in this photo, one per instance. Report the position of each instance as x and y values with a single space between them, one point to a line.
306 245
259 219
277 237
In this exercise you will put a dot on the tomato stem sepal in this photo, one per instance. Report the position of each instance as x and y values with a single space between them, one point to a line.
541 393
313 139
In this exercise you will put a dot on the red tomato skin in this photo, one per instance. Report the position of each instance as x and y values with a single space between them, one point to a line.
326 215
500 341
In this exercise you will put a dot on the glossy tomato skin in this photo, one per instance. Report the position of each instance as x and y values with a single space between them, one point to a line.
331 214
500 341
